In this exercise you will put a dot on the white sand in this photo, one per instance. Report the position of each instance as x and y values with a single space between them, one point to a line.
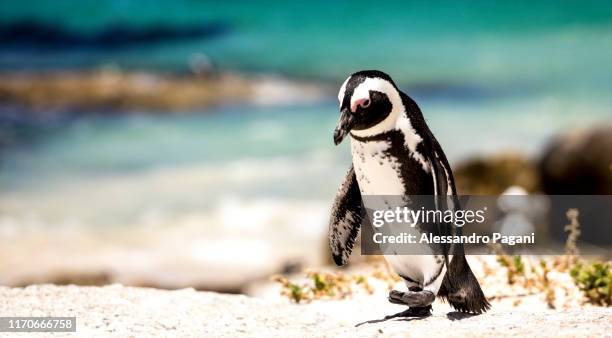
125 311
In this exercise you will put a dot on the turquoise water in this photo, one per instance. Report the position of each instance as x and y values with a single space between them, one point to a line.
119 170
537 46
490 77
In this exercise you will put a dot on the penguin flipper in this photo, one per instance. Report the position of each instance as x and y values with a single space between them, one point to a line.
346 216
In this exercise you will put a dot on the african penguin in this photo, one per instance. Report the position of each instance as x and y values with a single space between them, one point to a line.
395 153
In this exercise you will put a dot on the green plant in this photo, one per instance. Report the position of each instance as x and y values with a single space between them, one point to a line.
295 292
326 285
594 279
514 265
545 284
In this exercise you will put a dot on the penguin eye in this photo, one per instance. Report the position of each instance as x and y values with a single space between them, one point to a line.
365 103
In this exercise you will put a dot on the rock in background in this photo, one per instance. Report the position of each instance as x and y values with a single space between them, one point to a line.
492 175
580 163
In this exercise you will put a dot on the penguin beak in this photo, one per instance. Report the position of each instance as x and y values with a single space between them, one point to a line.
344 125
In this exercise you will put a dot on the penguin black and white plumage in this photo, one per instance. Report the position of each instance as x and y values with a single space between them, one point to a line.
394 153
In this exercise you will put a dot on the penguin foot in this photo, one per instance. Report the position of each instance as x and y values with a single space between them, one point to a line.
411 298
424 311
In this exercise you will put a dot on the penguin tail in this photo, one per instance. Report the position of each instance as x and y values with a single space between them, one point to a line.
461 288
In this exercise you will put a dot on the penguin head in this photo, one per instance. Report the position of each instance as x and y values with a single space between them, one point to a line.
369 105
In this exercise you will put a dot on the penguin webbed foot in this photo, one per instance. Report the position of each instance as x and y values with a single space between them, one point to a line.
412 298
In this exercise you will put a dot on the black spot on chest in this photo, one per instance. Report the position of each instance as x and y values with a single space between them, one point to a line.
416 181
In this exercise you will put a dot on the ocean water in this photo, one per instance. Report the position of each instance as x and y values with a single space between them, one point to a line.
490 77
492 46
120 170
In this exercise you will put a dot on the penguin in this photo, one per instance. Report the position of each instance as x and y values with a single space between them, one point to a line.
394 153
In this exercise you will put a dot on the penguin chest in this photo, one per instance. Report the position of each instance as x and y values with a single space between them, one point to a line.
377 172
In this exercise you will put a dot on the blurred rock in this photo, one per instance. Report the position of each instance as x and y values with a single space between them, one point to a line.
492 175
578 163
111 89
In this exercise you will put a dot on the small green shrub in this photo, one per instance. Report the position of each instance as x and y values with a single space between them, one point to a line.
514 265
295 293
595 280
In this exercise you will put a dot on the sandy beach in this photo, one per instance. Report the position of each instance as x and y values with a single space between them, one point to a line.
126 311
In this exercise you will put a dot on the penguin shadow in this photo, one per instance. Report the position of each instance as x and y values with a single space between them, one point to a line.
400 316
456 315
